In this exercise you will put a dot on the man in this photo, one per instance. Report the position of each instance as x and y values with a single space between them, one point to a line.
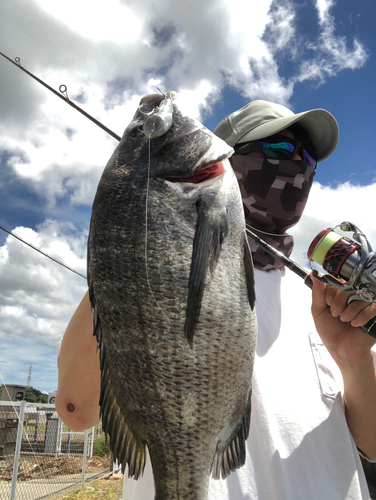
303 402
313 382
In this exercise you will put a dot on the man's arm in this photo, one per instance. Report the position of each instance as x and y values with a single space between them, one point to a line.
350 347
78 390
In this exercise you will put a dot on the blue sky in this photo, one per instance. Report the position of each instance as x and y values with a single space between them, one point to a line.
218 56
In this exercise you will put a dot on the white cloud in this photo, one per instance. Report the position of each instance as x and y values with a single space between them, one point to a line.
37 299
108 20
194 102
329 206
323 8
330 52
280 28
38 295
109 56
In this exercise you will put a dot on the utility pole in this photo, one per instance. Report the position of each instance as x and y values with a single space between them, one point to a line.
29 376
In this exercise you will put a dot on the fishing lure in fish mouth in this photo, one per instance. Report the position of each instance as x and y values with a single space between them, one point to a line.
159 111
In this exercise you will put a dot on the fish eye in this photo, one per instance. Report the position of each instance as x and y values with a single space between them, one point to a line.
137 131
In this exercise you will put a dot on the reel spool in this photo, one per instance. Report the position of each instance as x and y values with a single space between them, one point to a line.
338 255
349 262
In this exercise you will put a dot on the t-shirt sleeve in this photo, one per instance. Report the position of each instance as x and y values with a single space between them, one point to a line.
58 349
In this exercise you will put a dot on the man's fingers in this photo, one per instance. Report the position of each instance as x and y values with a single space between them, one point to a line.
319 303
363 314
358 312
330 294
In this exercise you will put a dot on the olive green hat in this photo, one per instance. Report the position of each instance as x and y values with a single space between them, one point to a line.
260 119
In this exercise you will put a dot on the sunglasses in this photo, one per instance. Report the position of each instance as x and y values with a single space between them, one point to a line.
279 147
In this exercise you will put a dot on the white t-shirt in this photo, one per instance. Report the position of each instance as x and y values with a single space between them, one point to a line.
299 447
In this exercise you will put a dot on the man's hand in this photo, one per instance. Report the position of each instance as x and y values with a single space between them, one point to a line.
336 322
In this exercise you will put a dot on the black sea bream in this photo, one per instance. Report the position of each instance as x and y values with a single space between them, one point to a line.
171 284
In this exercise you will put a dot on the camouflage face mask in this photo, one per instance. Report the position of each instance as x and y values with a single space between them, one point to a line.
274 194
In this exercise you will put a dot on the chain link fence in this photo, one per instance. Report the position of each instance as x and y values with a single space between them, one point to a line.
40 457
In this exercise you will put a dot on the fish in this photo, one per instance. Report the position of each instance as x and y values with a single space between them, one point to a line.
171 285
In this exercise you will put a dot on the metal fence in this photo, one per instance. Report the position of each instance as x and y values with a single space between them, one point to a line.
40 457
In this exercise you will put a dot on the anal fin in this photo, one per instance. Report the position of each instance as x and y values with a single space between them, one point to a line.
232 456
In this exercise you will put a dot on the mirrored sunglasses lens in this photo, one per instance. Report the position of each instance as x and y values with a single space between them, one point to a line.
280 150
312 163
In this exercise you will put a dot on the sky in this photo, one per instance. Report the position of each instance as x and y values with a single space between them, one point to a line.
217 55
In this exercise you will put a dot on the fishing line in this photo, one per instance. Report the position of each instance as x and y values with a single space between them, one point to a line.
146 231
40 251
314 231
146 257
64 96
264 232
6 390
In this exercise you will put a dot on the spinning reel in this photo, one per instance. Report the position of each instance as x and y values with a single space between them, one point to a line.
349 261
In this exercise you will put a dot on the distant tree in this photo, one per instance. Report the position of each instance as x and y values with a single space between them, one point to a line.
34 396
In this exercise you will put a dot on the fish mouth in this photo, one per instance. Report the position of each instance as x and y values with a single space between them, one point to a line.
209 166
206 174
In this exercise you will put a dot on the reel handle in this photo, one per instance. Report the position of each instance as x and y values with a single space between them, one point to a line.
370 327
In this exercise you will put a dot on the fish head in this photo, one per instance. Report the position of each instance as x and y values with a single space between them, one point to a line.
173 145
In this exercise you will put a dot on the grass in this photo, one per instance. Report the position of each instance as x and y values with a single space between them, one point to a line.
101 446
109 488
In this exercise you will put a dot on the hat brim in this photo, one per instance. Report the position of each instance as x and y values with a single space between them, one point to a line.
320 125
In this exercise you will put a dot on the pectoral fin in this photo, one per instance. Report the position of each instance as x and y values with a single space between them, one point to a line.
249 273
207 243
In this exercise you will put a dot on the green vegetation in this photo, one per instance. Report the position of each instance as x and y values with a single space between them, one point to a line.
101 446
35 396
32 395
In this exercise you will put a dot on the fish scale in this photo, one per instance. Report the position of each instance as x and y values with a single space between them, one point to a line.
171 284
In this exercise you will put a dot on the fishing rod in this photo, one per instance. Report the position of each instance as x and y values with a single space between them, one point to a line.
63 95
290 264
360 278
364 281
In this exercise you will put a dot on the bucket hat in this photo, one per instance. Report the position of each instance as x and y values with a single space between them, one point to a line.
260 119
